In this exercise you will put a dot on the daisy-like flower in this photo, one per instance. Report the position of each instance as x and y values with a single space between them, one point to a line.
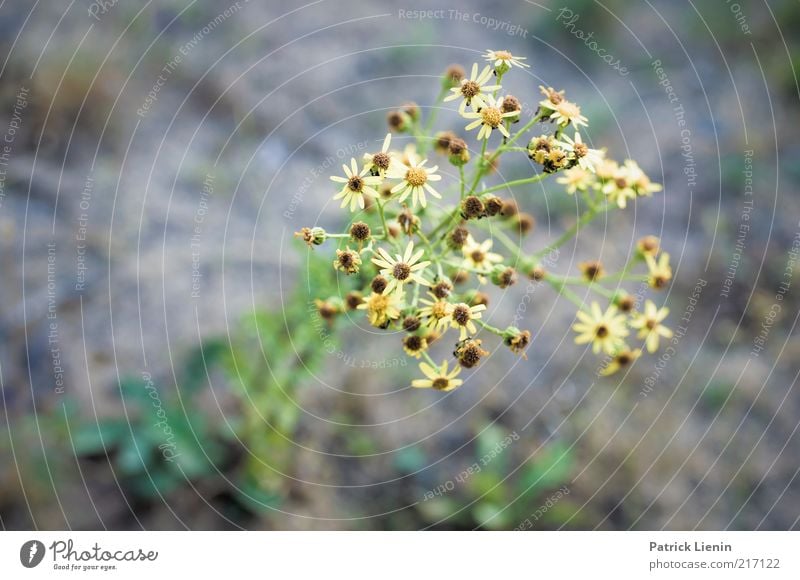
576 179
622 359
567 112
503 60
401 269
619 189
415 177
380 162
357 185
639 180
649 325
489 118
462 317
415 345
473 90
605 170
478 256
437 313
381 309
605 330
660 272
438 378
586 158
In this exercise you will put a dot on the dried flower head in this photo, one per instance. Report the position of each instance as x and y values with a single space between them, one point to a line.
493 204
472 208
347 261
517 340
360 232
453 75
504 276
469 352
311 236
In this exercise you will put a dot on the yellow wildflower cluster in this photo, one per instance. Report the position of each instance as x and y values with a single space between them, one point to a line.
413 245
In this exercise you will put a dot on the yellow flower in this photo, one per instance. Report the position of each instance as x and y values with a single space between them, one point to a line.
489 118
381 308
576 179
586 158
619 188
415 345
478 256
504 60
438 378
415 177
462 316
401 269
639 180
437 312
356 185
380 162
605 330
622 359
567 112
660 271
649 325
473 89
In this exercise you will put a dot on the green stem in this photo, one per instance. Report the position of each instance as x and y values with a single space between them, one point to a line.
461 179
383 220
516 182
489 327
567 235
566 292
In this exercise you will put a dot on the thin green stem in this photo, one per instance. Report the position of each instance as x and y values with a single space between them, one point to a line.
516 182
584 219
383 219
566 293
489 327
461 179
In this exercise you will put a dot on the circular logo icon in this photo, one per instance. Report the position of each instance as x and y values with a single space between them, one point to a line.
31 553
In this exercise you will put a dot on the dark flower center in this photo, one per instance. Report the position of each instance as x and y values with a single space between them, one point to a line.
602 331
355 183
401 271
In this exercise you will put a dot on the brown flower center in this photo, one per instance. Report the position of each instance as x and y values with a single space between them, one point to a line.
381 160
602 331
624 359
581 150
355 183
491 116
440 383
469 89
461 314
477 256
401 271
650 324
416 176
413 343
620 182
